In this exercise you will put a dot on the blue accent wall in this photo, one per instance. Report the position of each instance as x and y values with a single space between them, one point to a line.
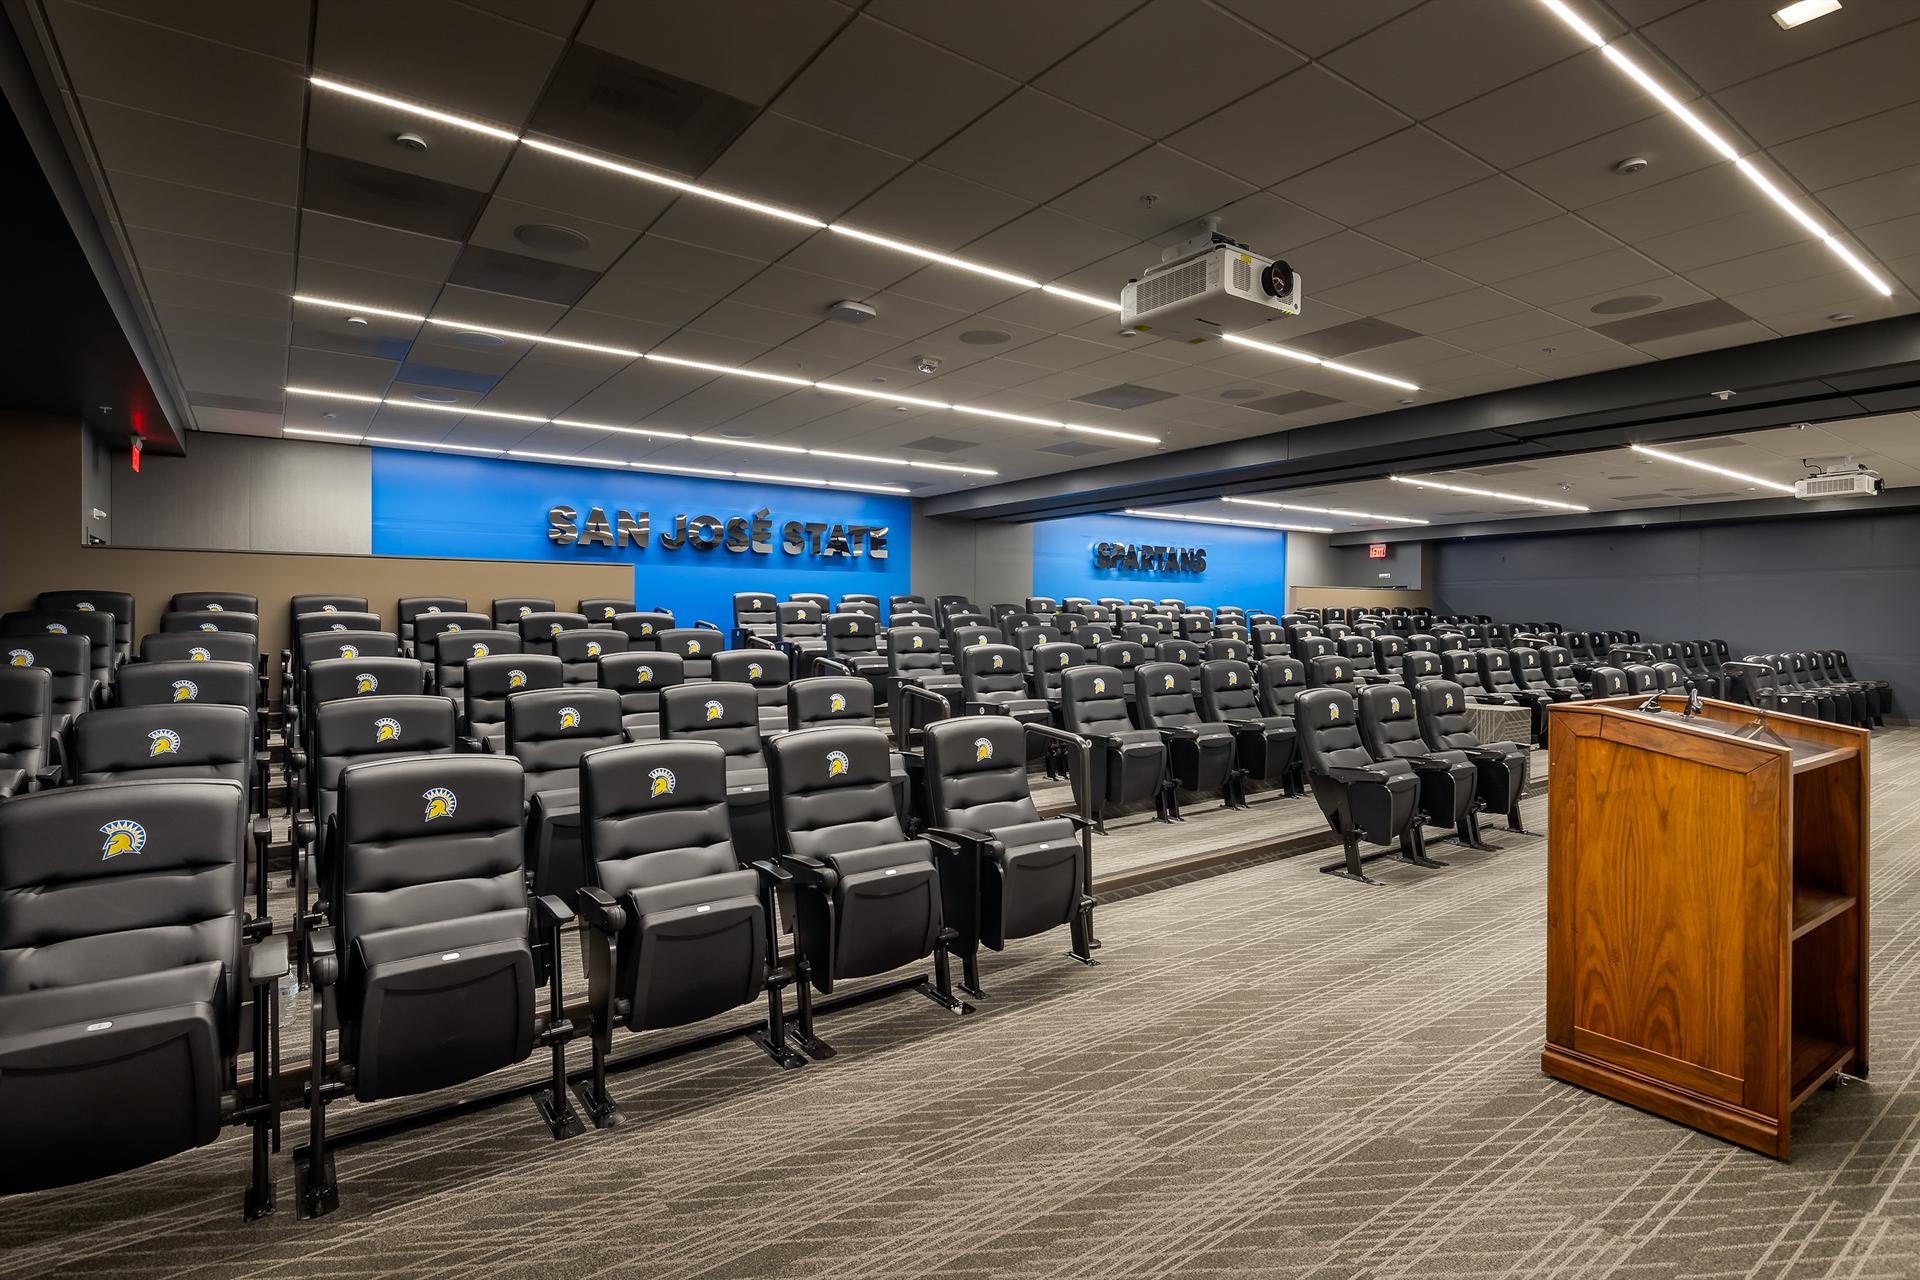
427 504
1247 567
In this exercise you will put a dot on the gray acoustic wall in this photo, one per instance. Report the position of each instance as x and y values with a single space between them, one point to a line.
248 493
983 561
1842 582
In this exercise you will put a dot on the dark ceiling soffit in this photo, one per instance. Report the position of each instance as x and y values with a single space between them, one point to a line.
1824 376
1734 512
29 85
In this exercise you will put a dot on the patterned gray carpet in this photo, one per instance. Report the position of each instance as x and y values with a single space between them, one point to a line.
1272 1073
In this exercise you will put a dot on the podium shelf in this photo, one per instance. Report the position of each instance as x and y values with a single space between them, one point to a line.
1814 907
1815 1059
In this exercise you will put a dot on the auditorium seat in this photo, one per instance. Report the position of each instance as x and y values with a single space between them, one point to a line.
234 620
429 627
600 611
581 649
867 898
117 603
1279 681
508 612
642 628
802 632
1362 799
639 677
853 641
913 662
123 990
68 661
768 672
695 647
548 731
1264 746
490 681
1200 755
27 757
183 646
97 628
1836 661
427 955
1449 781
452 651
1019 874
728 713
992 681
409 610
1440 706
540 630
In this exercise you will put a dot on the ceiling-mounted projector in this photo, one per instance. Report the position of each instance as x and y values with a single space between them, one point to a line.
1208 285
1850 481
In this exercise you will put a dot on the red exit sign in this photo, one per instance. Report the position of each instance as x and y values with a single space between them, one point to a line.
1376 551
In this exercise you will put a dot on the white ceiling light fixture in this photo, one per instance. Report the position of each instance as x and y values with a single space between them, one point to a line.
1697 465
315 434
1275 349
773 211
1804 11
1489 493
1719 144
1323 511
1246 524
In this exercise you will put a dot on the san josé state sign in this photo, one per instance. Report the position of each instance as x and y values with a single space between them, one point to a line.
748 534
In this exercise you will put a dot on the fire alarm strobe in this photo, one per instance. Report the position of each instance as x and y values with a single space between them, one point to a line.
1208 285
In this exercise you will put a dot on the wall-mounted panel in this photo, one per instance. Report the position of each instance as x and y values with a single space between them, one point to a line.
1247 567
700 544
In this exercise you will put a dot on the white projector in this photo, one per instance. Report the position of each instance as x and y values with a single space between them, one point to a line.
1841 482
1219 289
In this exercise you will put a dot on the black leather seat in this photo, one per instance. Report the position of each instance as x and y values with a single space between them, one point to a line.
767 670
548 731
639 677
68 662
643 627
1498 683
429 627
695 647
117 603
409 610
853 641
211 620
490 681
1836 661
508 611
1265 747
676 928
913 660
180 646
97 627
992 681
1362 798
1200 756
1440 707
124 973
728 713
1449 781
429 955
581 649
867 898
27 760
539 630
1279 681
451 653
802 632
599 611
1021 874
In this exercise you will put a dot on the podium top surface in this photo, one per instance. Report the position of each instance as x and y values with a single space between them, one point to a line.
1809 744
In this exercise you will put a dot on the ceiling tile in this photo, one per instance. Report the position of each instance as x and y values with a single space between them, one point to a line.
159 146
1461 217
1440 55
1315 27
366 132
390 197
323 279
1400 287
1015 37
604 102
1035 146
695 271
1046 244
499 73
1341 258
500 228
746 55
1393 173
1254 138
1687 201
1456 310
796 293
784 161
912 95
195 211
217 259
1876 199
1550 110
1801 261
1849 82
925 206
1849 152
1616 269
1105 76
1182 191
1723 42
1723 239
1583 174
1532 248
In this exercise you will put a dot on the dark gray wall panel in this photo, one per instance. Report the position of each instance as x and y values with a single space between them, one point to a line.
249 493
1849 582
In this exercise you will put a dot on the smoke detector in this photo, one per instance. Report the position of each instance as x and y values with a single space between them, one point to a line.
848 312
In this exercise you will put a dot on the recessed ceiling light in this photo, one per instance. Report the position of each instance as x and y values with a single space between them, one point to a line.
547 238
1803 11
1241 393
436 397
1487 493
356 320
1625 303
1720 145
471 339
985 337
409 142
1631 165
1840 316
1697 465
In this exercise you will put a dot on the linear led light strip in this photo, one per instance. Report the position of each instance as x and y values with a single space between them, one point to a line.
731 371
1741 476
1247 524
1324 511
347 437
756 206
1718 143
466 411
1488 493
1335 365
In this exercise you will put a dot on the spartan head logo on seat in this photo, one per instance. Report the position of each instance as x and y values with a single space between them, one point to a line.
693 645
480 650
19 657
525 610
198 654
366 682
553 628
329 608
386 729
569 717
1099 684
593 648
433 608
837 702
453 626
208 626
516 679
440 803
123 835
662 780
999 660
185 691
216 608
1167 681
713 710
753 671
982 750
836 763
349 651
84 607
643 675
163 742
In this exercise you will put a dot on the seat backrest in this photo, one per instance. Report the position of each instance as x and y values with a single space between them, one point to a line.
1307 648
131 743
300 606
1640 678
67 659
1042 604
1163 695
1280 680
1417 665
26 710
429 627
324 620
1357 650
599 611
1327 727
852 635
818 700
97 627
187 646
1229 649
977 774
1388 649
992 671
1049 661
581 649
1557 661
1496 670
549 729
1187 653
318 646
412 608
913 650
492 679
1094 699
1440 708
639 676
1032 634
769 671
424 839
801 621
819 600
642 628
117 603
1462 666
1669 676
538 631
654 813
159 684
1529 670
508 612
695 647
1333 672
364 678
234 620
833 790
452 652
1389 724
348 730
722 711
122 880
1228 691
1195 626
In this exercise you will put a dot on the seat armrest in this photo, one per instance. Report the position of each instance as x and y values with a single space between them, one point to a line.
262 831
600 911
984 708
304 829
552 910
710 626
473 746
45 777
323 956
267 961
810 870
821 660
957 841
772 873
1351 775
1484 753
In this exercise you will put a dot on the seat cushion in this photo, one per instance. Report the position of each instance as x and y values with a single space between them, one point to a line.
86 1002
904 853
1031 835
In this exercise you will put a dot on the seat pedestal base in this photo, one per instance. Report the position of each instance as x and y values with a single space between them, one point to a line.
561 1119
316 1194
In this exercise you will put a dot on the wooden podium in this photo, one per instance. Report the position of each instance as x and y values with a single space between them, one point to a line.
1706 910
